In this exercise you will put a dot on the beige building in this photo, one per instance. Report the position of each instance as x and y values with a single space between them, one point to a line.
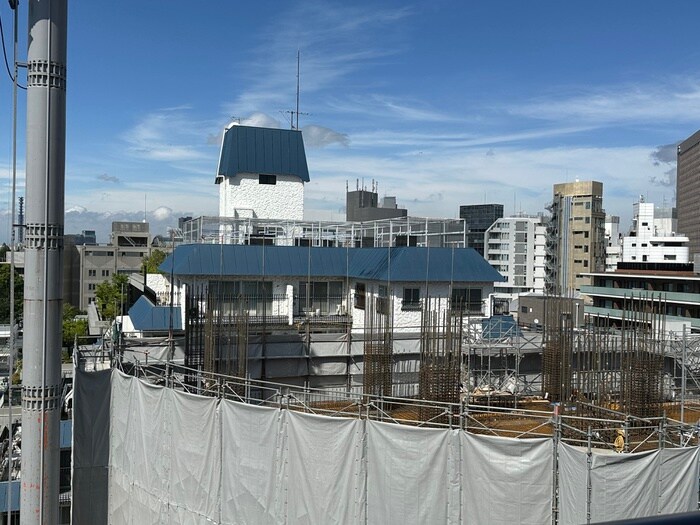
576 236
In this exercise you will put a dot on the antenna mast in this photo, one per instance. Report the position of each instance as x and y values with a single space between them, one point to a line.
297 127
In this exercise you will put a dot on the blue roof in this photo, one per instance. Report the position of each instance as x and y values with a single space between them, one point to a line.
399 264
264 151
499 326
147 317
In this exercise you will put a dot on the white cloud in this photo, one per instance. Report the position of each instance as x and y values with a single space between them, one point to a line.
319 137
162 213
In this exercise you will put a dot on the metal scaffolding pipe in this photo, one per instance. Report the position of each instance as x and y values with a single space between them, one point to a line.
45 172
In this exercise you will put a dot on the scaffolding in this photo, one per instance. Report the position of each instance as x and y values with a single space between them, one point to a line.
404 231
500 361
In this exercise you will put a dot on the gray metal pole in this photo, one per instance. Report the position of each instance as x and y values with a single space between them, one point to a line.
13 332
45 173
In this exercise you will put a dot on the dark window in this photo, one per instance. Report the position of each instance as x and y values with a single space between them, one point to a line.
267 179
467 300
360 295
411 299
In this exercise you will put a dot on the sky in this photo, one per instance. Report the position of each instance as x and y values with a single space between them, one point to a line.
443 103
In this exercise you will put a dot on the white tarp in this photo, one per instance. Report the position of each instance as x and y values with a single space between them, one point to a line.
626 486
180 458
408 474
326 469
163 455
253 468
506 480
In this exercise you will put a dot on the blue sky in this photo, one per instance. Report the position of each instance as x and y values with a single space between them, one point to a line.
443 102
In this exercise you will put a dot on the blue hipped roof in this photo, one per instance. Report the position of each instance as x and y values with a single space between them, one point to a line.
399 264
147 317
264 151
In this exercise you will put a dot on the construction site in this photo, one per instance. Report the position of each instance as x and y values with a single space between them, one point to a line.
565 411
486 374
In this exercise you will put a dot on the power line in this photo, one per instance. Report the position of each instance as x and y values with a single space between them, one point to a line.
4 54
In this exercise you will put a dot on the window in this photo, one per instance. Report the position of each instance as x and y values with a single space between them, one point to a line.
382 306
668 257
523 309
322 297
267 179
91 286
360 296
411 299
466 300
92 273
105 273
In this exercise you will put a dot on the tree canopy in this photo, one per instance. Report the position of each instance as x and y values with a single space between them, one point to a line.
151 263
111 296
5 294
72 327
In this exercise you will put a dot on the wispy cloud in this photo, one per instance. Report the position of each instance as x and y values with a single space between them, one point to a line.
673 100
169 135
108 178
335 41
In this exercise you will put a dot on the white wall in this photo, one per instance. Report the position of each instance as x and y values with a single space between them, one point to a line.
244 196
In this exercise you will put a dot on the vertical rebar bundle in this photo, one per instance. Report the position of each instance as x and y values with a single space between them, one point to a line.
440 357
618 367
377 359
557 357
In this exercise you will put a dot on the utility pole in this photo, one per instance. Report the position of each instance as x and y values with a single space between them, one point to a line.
45 189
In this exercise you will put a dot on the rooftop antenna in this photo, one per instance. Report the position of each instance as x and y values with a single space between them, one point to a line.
145 195
291 114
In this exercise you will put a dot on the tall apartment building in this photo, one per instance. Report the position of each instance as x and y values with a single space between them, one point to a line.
688 190
576 236
515 246
478 218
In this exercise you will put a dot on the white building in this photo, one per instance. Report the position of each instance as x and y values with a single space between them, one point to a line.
613 242
262 173
515 247
652 238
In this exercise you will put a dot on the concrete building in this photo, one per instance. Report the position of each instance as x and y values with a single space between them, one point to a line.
576 236
363 205
652 238
515 247
129 243
688 190
477 219
670 289
262 173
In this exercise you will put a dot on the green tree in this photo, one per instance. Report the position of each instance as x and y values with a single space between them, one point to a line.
5 294
151 263
72 327
111 296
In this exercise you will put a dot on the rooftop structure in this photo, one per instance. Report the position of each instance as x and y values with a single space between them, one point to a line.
363 205
406 231
653 238
262 173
